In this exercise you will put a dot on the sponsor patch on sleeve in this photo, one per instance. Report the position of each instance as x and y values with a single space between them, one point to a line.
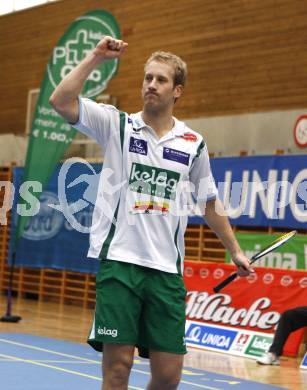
176 155
138 146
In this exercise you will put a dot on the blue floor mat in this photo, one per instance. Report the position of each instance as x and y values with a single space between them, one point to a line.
30 362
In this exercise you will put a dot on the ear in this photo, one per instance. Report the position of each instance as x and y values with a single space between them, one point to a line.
178 90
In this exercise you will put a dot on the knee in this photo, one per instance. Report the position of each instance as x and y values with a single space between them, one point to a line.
117 373
167 380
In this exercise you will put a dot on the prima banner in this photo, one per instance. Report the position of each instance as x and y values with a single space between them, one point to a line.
293 255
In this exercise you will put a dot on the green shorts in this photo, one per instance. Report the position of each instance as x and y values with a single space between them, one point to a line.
139 306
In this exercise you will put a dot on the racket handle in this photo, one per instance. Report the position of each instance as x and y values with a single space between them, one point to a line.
225 282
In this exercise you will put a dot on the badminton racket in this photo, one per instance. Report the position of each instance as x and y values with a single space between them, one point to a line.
274 245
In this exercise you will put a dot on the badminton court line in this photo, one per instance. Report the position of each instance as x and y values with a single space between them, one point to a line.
47 350
94 361
29 346
14 358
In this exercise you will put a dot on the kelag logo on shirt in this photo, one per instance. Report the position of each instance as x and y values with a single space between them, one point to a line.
138 146
153 181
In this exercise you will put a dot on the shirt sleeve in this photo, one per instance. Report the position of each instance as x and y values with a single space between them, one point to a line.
203 184
97 120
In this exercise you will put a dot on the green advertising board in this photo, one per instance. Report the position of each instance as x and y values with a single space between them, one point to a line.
292 255
259 345
50 134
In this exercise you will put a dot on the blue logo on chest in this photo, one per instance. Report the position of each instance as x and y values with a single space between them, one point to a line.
138 146
176 155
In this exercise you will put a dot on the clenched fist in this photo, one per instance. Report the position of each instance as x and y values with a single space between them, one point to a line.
109 48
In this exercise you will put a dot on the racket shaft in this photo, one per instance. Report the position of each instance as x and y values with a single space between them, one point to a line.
225 282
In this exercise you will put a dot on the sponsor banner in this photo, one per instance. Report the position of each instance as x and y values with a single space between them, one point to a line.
50 134
258 345
263 190
49 240
304 362
293 255
208 336
252 304
227 340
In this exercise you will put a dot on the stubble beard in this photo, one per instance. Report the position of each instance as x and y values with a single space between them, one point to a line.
154 108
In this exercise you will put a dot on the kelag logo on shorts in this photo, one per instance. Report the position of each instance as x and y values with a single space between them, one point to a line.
259 345
153 181
208 336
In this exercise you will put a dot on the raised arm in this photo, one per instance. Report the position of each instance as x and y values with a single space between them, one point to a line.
219 223
64 98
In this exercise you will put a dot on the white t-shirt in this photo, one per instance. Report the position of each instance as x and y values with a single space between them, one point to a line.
140 214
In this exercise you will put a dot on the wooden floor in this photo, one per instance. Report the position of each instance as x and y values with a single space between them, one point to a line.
68 322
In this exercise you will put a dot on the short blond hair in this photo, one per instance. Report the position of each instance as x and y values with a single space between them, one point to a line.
179 65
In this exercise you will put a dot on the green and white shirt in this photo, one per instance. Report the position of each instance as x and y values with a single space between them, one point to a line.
141 209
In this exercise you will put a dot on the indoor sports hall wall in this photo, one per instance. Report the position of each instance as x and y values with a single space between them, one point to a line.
243 56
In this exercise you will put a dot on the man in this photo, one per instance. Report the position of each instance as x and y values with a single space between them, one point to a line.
140 290
290 321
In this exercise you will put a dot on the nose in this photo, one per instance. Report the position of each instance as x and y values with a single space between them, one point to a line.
152 84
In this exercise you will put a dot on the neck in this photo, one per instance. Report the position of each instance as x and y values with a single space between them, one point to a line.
161 122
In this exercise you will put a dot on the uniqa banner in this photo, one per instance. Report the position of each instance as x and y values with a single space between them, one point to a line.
50 134
263 190
242 318
292 255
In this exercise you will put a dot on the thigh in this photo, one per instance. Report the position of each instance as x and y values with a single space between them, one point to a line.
163 316
118 307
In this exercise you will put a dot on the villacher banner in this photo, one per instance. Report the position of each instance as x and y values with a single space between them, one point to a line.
242 318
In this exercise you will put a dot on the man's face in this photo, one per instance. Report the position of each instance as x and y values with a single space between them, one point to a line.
158 91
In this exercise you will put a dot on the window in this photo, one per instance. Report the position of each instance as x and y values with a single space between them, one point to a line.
8 6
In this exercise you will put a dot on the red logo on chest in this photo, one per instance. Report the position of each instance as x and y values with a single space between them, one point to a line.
189 137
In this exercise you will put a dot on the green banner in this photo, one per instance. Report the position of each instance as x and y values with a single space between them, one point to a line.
50 134
292 255
258 345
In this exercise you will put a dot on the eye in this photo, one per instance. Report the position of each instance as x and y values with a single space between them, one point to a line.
148 77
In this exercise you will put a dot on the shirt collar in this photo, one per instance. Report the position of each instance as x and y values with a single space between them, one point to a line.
138 123
179 127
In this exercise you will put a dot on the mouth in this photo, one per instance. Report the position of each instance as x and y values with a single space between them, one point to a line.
151 94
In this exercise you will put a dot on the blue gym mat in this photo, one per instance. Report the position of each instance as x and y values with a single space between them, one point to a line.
30 362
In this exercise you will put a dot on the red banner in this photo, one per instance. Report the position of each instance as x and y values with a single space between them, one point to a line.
252 303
